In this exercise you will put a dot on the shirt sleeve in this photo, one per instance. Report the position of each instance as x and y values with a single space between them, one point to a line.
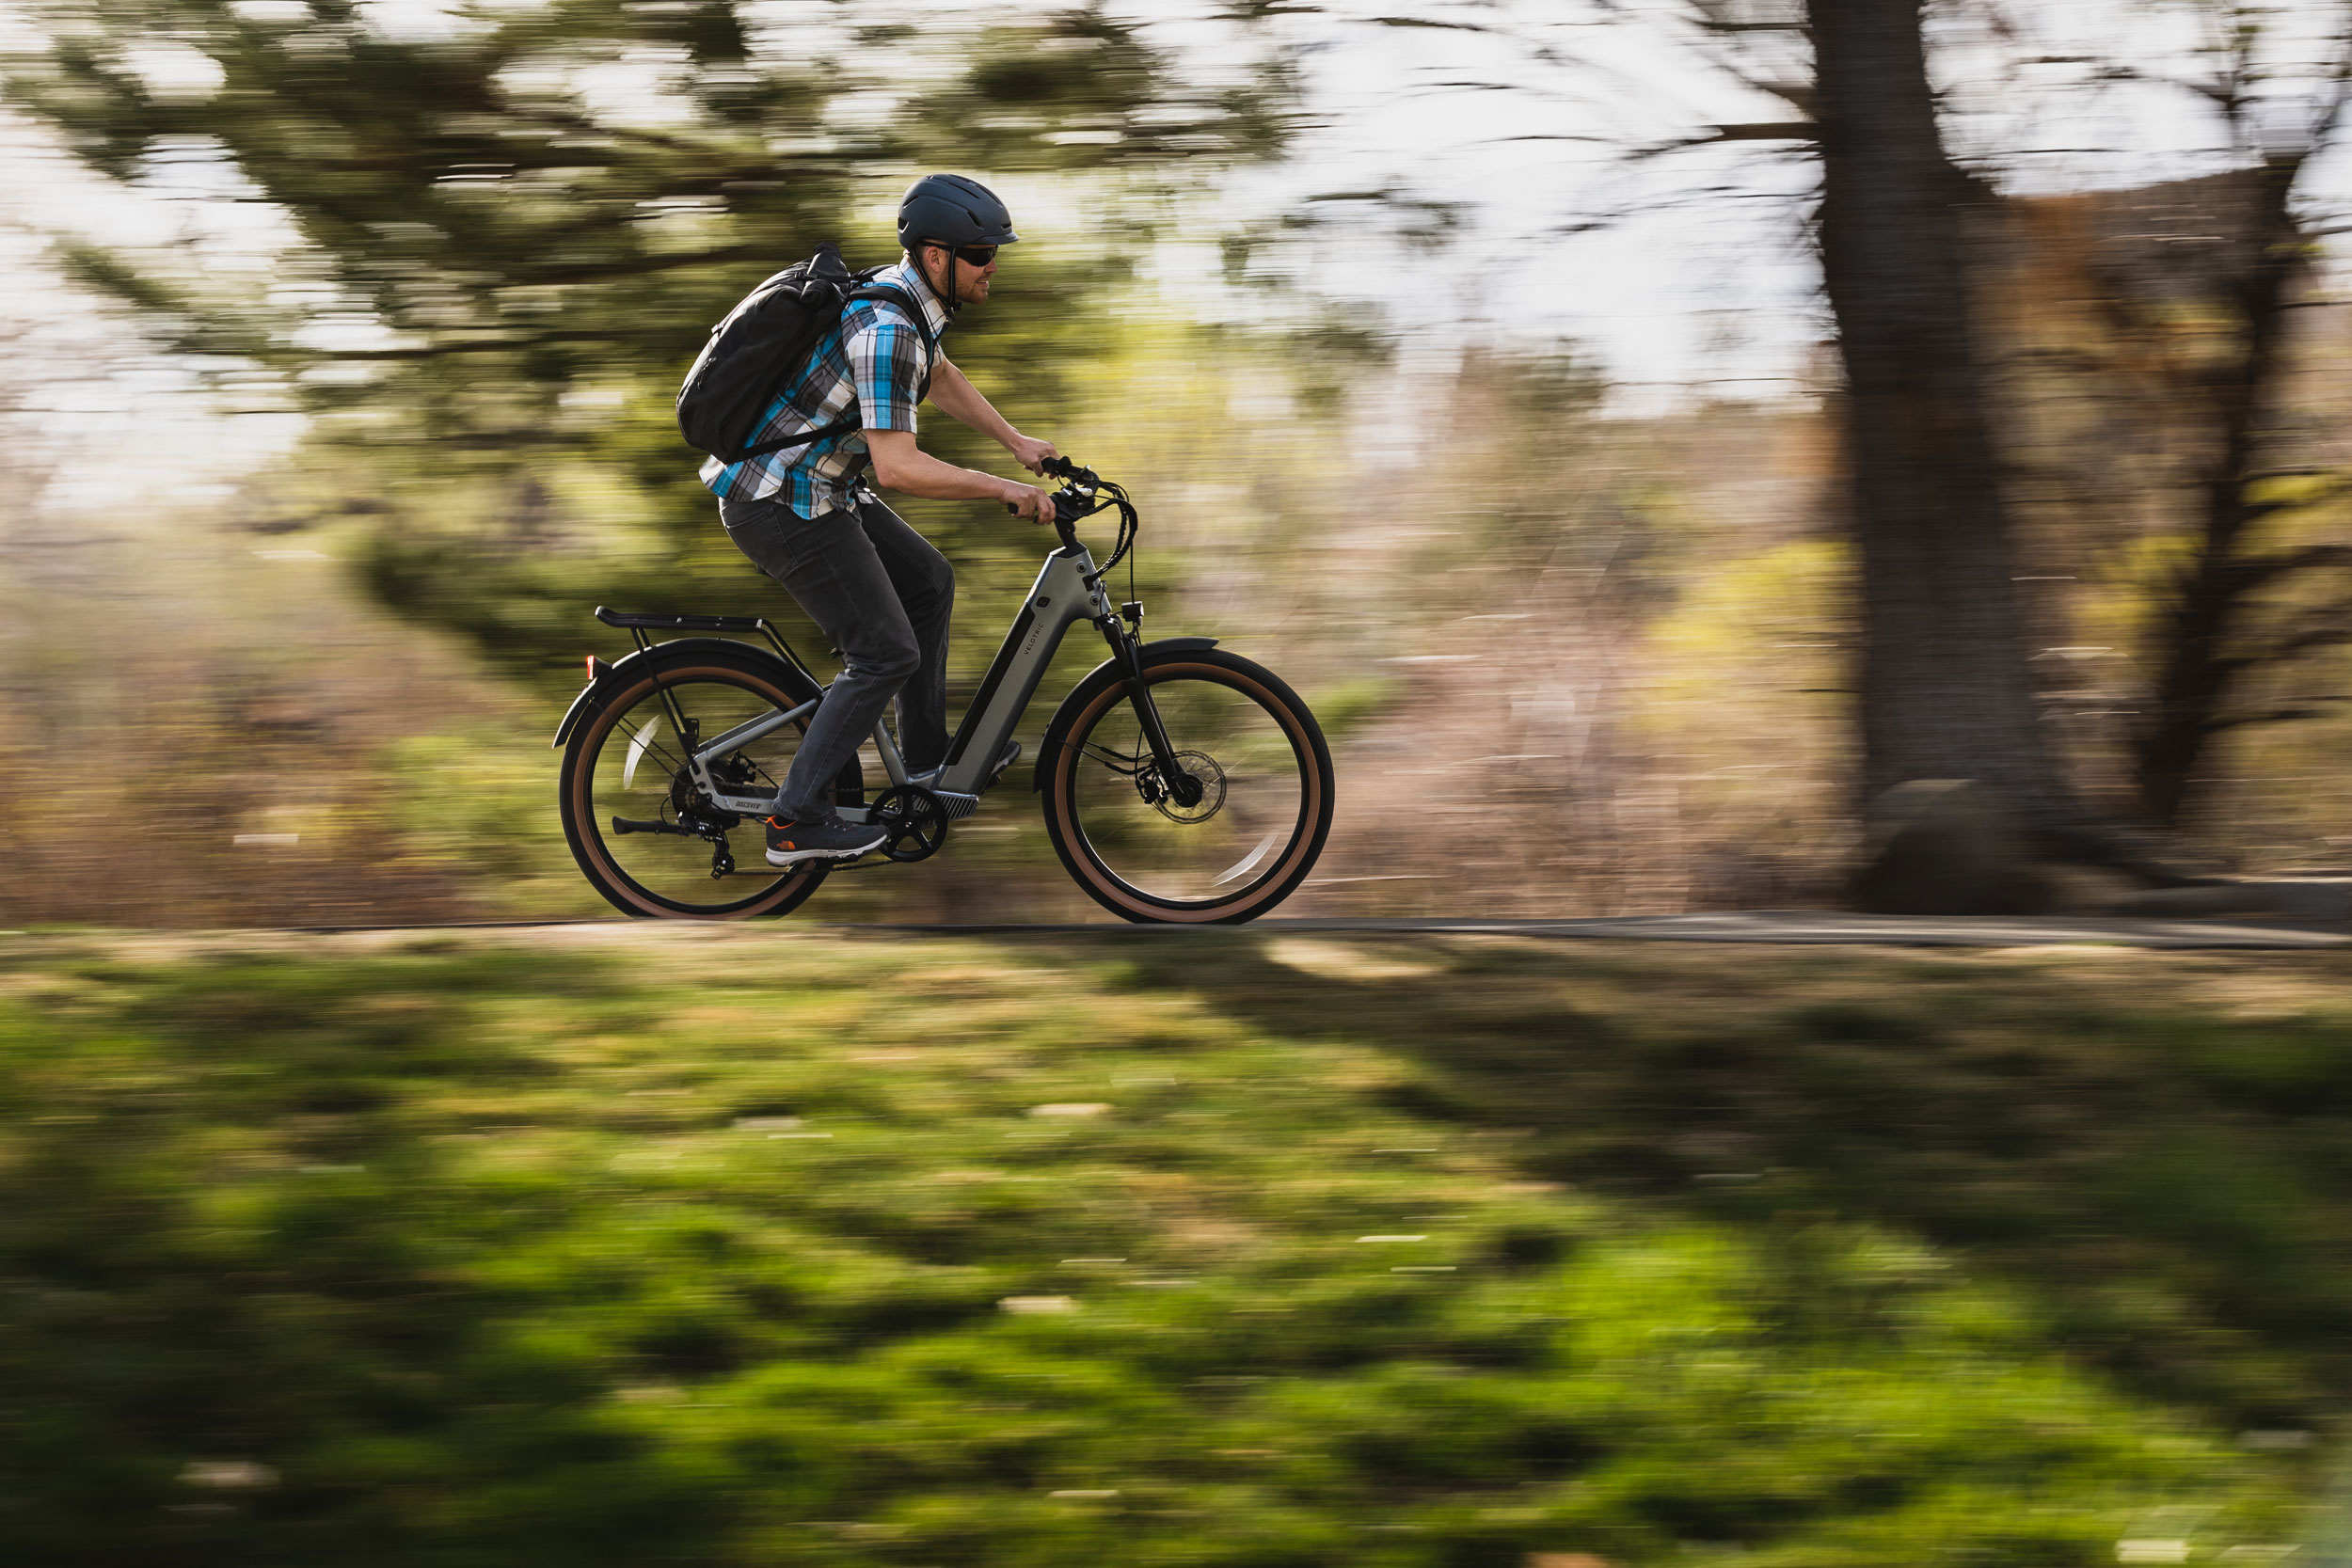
885 357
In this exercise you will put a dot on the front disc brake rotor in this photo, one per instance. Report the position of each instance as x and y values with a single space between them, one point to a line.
1202 769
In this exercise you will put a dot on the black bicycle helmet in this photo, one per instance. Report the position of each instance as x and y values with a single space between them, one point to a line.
952 209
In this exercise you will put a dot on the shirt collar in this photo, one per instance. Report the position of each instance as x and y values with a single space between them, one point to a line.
908 276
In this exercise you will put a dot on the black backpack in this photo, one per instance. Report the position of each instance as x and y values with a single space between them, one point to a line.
764 340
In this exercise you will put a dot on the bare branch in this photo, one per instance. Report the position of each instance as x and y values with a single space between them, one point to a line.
2336 486
1431 22
2339 89
2219 93
2327 627
1781 129
2259 570
2266 716
1541 52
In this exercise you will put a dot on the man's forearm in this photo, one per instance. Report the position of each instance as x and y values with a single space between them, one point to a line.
916 472
963 402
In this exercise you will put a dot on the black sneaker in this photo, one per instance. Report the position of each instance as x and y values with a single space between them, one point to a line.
792 842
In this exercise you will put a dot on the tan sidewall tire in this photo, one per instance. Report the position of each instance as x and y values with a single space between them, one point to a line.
1263 687
588 846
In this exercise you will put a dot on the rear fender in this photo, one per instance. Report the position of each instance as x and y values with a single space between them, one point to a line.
593 696
1109 670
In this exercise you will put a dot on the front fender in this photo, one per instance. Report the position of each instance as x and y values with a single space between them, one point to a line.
590 699
1108 670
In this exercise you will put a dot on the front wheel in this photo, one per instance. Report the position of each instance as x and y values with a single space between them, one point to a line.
1230 842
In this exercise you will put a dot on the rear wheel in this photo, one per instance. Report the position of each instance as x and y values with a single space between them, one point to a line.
645 834
1233 839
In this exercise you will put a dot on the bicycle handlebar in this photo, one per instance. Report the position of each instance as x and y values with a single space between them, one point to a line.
1084 491
1073 500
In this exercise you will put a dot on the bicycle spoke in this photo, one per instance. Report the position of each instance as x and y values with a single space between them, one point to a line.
1249 790
641 775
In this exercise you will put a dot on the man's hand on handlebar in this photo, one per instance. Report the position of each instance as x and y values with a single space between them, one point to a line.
1031 454
1027 500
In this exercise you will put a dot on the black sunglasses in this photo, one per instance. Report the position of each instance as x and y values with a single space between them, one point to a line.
978 255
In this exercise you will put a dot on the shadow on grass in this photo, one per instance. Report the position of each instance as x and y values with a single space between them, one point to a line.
2168 1173
228 1233
525 1254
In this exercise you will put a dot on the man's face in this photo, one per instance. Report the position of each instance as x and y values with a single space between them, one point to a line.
971 282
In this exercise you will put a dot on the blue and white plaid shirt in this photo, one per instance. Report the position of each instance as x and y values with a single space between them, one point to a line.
874 361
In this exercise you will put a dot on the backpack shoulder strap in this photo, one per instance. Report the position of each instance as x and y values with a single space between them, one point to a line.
899 297
844 426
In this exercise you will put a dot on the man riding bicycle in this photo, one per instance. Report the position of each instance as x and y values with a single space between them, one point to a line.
876 588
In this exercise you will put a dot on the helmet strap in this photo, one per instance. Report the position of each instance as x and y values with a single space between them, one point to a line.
947 300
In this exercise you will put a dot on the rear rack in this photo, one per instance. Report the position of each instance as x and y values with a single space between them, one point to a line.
639 622
655 621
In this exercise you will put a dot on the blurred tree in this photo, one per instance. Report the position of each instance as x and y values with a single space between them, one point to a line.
2216 632
1946 687
2209 343
513 223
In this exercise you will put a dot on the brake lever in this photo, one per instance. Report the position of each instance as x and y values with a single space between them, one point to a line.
1070 503
1076 498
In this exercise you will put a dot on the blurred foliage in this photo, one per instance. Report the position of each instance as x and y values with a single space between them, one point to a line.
2170 422
512 225
642 1247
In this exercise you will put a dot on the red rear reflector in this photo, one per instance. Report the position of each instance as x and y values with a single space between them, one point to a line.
597 669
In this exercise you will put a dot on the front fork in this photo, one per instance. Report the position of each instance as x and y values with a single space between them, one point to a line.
1128 649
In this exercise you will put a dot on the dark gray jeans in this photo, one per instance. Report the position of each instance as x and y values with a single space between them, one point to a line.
884 597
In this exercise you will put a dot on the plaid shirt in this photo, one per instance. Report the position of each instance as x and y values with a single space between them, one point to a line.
873 361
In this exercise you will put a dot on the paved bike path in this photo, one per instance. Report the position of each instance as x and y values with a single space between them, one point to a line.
1802 926
1806 927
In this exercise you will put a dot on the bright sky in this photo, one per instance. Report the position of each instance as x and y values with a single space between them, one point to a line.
1676 274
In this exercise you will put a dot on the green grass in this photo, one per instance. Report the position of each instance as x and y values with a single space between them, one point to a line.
679 1246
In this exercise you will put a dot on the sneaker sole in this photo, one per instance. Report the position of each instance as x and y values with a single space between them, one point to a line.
794 857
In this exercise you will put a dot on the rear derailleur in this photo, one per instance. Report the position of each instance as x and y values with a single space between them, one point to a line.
697 816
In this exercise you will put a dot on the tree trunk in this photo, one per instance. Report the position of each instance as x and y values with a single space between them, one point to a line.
2197 669
1946 692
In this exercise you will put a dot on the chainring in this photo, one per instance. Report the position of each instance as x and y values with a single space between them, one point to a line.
913 819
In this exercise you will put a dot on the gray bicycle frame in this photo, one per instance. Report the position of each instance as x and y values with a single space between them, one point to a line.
1065 593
